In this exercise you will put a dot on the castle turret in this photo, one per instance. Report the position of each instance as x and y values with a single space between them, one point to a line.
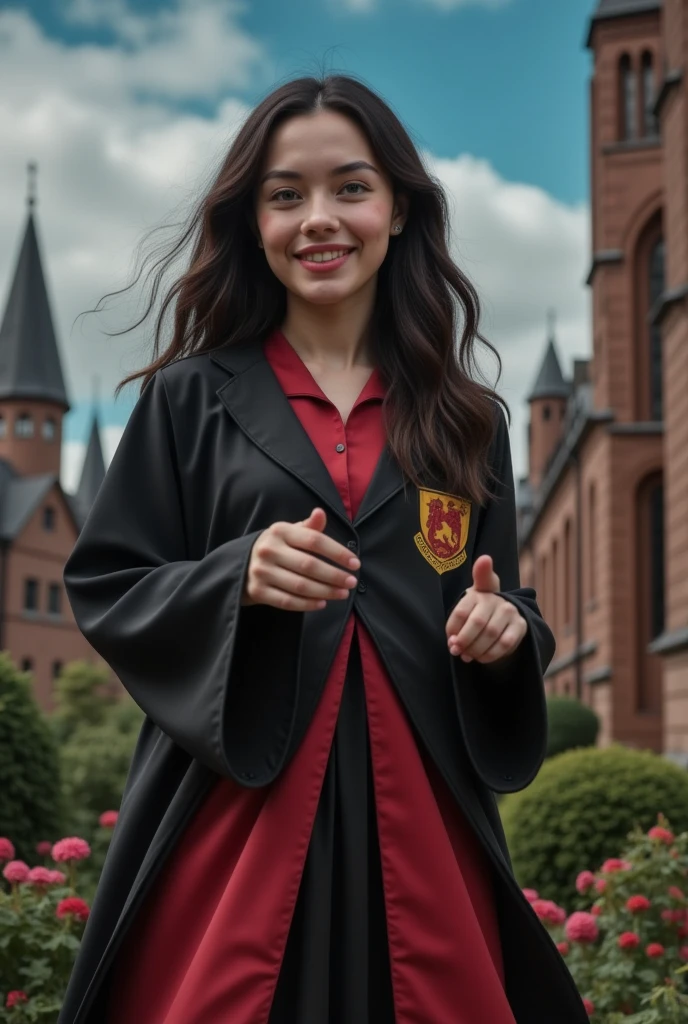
547 399
33 398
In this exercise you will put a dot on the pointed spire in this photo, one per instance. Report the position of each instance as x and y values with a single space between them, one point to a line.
30 364
550 382
93 470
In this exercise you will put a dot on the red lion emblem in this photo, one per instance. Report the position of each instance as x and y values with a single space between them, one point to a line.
444 527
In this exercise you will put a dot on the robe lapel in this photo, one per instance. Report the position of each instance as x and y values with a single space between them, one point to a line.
272 425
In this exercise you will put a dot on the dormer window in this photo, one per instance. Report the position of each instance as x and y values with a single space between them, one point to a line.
49 429
23 425
49 518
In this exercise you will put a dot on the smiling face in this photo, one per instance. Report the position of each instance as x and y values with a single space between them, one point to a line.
325 209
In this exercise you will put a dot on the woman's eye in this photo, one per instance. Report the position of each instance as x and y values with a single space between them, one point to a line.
285 194
355 184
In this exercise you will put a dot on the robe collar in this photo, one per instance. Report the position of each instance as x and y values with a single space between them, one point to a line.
256 401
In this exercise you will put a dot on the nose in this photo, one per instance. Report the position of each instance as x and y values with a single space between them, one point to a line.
319 217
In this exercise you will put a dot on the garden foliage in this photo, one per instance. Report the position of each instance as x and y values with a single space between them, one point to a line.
571 724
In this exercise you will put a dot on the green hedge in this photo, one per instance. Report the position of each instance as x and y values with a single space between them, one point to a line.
570 725
580 809
30 798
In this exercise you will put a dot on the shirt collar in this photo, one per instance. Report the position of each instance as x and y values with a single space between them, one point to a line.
296 379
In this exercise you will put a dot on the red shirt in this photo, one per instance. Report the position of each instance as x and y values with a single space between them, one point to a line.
207 945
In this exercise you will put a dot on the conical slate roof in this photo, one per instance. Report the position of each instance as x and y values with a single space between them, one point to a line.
93 470
29 358
550 382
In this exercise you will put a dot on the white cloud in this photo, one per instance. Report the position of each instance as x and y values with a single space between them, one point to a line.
113 165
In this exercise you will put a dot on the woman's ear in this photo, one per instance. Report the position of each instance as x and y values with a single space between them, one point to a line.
400 212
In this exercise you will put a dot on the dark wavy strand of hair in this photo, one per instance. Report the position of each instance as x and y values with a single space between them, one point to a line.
439 418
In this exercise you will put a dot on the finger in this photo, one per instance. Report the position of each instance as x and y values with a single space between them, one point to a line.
460 613
306 539
317 520
312 567
505 645
484 576
489 635
275 577
476 623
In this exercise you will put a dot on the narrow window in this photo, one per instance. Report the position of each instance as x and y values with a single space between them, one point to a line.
23 425
546 412
656 541
27 665
49 518
655 289
554 576
54 598
627 98
592 542
49 429
569 573
650 124
31 595
3 427
649 591
57 668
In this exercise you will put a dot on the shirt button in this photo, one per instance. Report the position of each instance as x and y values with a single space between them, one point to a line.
340 448
362 587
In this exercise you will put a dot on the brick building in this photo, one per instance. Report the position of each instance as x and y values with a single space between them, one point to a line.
603 510
39 521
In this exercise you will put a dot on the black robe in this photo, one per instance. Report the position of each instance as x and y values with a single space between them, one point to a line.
211 456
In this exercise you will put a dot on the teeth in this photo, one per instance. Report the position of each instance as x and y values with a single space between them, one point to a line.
324 257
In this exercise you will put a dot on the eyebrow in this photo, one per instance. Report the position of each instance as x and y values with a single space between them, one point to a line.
355 165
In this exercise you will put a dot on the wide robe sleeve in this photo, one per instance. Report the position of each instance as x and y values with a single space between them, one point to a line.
501 706
172 627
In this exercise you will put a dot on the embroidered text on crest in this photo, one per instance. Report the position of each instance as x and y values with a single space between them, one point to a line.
444 521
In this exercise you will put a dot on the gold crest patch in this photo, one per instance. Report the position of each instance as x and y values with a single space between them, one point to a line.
444 521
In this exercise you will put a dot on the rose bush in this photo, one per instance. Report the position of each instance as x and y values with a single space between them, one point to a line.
42 918
626 944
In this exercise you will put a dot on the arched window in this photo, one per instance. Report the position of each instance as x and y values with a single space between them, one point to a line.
546 412
649 589
650 124
655 289
569 574
627 99
23 425
49 429
554 585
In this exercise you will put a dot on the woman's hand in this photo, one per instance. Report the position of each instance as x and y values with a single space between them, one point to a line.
484 626
286 569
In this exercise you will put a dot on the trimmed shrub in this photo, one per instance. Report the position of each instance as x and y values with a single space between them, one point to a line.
30 800
570 725
82 697
583 804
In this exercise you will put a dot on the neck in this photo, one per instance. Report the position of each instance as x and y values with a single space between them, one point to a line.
334 336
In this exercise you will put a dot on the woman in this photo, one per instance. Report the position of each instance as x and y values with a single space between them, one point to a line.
303 566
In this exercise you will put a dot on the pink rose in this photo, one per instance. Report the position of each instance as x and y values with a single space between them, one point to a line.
547 910
563 948
637 903
39 876
16 871
531 894
600 885
108 819
589 1007
615 864
628 940
44 848
584 881
15 997
71 848
57 878
655 949
6 849
596 910
73 907
662 834
581 927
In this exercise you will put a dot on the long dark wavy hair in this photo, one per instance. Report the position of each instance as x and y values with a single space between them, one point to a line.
440 418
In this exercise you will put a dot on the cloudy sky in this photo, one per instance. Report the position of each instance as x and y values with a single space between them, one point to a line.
128 108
